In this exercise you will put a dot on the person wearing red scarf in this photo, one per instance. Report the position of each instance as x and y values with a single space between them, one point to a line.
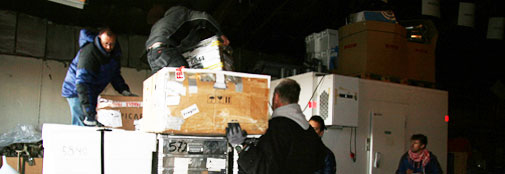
418 160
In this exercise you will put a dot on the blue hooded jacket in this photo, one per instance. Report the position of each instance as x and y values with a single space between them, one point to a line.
92 70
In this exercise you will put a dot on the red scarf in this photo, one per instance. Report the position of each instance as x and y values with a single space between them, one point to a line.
422 156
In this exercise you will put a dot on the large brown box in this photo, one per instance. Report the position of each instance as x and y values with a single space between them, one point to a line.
202 102
421 53
372 47
421 61
120 111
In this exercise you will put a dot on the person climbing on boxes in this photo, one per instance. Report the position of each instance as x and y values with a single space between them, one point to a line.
178 30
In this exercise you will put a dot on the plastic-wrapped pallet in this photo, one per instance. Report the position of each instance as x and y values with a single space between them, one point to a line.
209 54
192 155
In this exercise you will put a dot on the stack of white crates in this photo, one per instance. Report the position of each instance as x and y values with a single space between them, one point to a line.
323 46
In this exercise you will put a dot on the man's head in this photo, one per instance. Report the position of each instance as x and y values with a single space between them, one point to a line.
418 142
107 39
285 93
318 124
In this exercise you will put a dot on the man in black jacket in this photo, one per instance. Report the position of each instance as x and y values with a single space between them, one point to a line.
290 145
177 31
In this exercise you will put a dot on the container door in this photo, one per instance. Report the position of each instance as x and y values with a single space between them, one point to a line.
386 137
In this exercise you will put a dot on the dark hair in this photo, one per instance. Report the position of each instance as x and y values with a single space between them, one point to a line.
107 31
422 138
288 91
319 120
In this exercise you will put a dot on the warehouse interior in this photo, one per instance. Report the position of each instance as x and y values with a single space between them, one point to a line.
39 38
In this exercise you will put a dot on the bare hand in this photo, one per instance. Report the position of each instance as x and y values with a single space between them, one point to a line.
409 171
226 42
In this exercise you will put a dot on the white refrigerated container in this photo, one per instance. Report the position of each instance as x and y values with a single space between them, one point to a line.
384 115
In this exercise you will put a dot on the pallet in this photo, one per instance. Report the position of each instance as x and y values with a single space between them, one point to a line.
393 79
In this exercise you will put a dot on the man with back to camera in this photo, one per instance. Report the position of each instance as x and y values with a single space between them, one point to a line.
95 66
330 165
418 159
179 29
290 144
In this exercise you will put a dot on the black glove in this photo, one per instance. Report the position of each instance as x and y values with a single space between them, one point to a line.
235 134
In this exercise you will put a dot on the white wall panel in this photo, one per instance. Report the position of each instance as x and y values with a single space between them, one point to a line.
20 81
53 107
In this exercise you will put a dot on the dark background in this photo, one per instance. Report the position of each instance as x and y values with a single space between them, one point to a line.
468 65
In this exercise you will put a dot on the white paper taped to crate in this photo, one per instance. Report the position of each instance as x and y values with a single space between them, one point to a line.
108 117
172 100
181 165
189 111
216 164
173 123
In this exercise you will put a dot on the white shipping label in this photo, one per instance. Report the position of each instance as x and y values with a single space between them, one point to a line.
216 164
172 100
193 89
466 15
111 118
190 111
430 8
181 165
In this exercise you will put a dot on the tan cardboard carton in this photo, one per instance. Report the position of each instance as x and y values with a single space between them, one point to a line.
119 111
372 47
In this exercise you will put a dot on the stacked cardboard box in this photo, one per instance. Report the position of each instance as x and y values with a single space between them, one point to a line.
119 111
202 102
372 47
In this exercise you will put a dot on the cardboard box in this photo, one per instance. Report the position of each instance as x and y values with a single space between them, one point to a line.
35 169
422 38
381 16
119 111
78 150
202 102
421 62
372 47
209 54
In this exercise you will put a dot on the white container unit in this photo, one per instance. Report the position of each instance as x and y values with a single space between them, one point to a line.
322 46
384 116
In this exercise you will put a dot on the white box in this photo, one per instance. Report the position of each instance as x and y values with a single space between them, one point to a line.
206 55
77 150
326 40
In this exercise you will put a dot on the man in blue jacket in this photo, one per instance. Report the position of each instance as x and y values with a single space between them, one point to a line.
418 159
95 66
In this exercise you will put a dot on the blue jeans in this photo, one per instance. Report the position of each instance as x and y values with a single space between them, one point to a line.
76 110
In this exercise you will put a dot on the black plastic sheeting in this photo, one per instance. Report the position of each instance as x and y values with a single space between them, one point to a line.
7 31
60 42
31 36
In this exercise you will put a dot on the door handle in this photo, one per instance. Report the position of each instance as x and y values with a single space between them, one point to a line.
377 160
